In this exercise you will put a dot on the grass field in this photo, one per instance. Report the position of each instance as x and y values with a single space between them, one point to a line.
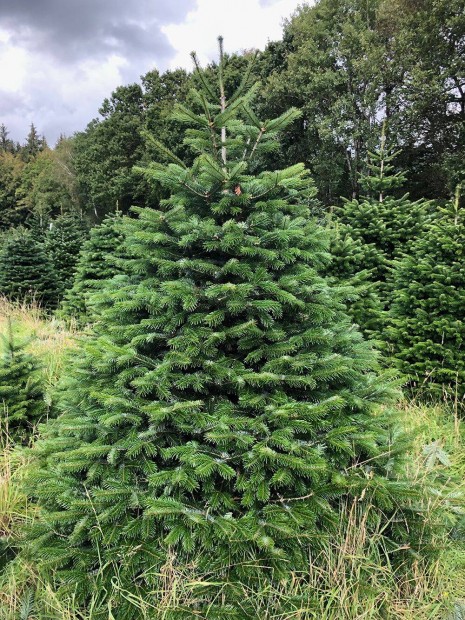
351 579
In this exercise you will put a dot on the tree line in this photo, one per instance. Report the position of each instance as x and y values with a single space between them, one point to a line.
348 65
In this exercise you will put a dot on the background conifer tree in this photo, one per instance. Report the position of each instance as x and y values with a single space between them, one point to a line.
22 402
385 222
63 243
98 261
6 144
26 273
33 144
225 404
427 333
39 225
349 258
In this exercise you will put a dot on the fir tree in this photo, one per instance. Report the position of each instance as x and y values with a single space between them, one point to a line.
63 243
98 262
38 224
33 144
427 334
225 404
26 273
381 220
6 145
349 258
22 403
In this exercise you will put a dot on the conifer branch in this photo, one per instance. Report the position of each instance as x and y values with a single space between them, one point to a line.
194 191
244 82
163 149
257 142
201 75
284 500
222 100
208 116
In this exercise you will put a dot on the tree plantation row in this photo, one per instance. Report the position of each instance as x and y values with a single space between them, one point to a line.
396 264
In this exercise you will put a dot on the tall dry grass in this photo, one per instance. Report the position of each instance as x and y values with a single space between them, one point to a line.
49 338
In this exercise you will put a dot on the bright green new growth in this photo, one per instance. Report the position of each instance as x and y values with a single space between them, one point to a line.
22 402
225 405
97 262
428 330
26 273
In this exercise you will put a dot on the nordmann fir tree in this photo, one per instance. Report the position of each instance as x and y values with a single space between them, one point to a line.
427 330
225 405
26 273
347 269
98 261
380 219
63 243
22 399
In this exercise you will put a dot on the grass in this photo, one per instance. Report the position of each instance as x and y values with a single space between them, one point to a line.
49 338
352 578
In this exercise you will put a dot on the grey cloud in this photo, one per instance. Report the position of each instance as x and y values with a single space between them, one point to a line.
62 34
72 30
12 101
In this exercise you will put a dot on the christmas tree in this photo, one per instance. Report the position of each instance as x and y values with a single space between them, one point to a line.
26 273
380 219
63 243
225 404
349 258
427 334
98 261
22 403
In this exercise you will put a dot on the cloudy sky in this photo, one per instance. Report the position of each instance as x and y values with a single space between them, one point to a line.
60 58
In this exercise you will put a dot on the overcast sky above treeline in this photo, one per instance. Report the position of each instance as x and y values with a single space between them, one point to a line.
61 58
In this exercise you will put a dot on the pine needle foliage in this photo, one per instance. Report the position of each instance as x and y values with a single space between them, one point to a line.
427 332
26 273
22 398
225 404
98 261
